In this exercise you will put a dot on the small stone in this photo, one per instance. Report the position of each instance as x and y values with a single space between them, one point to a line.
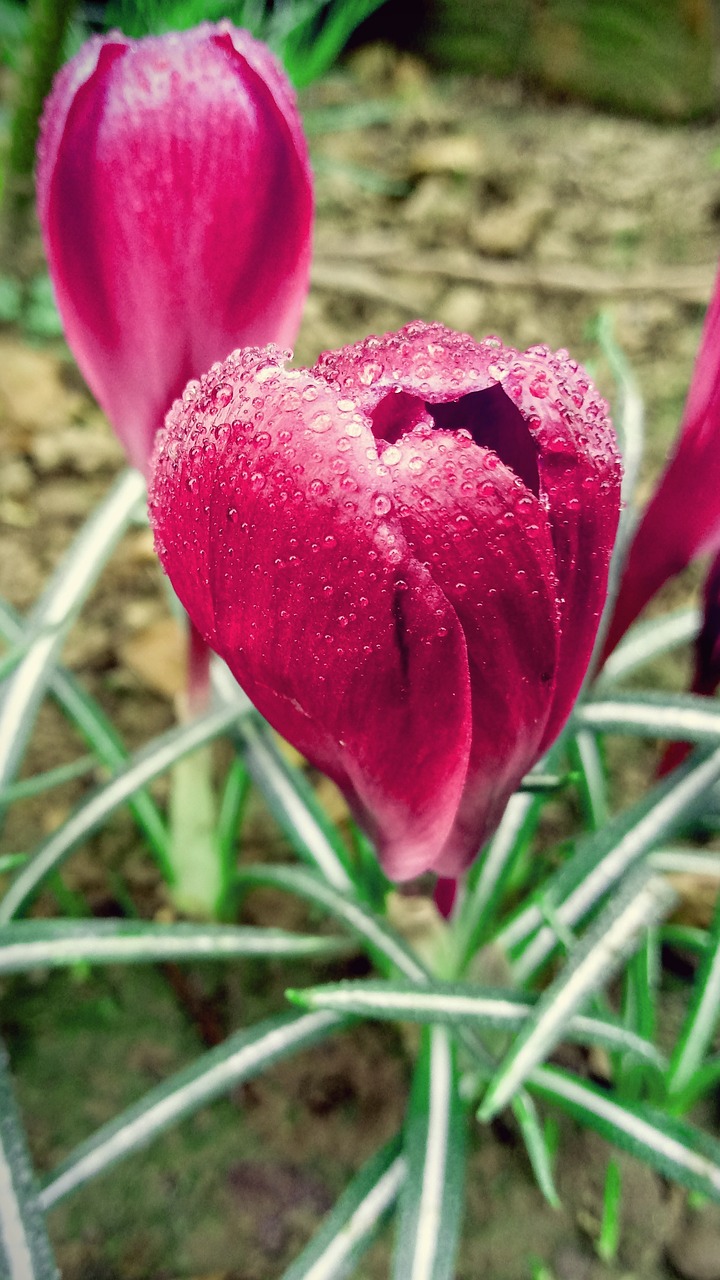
462 154
510 231
464 308
694 1251
77 449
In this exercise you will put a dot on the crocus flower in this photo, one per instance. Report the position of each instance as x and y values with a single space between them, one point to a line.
682 520
402 555
175 202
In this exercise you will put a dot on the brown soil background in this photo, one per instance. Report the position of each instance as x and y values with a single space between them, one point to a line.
496 212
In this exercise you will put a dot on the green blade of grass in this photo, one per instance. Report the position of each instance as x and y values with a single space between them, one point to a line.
54 613
431 1199
350 1228
456 1004
702 1016
25 1252
288 795
100 735
685 717
140 769
647 641
672 1147
34 944
380 939
240 1057
640 903
603 858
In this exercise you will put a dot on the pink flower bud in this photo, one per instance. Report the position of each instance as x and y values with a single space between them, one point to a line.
402 555
175 201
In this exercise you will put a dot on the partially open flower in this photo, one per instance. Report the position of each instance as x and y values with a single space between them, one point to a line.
175 201
402 555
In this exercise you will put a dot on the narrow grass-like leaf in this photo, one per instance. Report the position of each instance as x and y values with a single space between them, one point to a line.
536 1144
288 795
379 938
431 1200
485 887
586 759
140 769
597 957
232 808
101 736
702 1016
674 1148
602 858
681 861
462 1003
25 1252
353 1224
240 1057
609 1238
629 411
39 782
55 612
686 717
647 641
35 944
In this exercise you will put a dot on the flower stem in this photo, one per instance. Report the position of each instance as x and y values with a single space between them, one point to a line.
199 869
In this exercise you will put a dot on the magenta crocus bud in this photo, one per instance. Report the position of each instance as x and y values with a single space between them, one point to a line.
402 555
682 520
175 201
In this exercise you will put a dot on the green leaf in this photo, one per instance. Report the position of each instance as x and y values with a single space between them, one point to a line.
40 782
34 944
379 938
702 1016
593 962
603 858
55 612
287 793
456 1004
350 1228
431 1199
240 1057
587 761
647 641
684 717
489 876
140 769
100 734
536 1145
25 1252
672 1147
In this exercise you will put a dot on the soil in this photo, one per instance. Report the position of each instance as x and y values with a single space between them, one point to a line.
492 210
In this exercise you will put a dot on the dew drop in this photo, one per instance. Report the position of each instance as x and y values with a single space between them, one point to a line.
321 421
223 394
382 505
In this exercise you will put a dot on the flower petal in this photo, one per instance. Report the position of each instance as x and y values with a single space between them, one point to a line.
486 541
276 522
176 207
579 473
544 419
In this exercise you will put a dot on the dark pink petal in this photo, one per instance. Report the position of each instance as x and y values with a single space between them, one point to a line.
682 519
485 539
579 476
539 412
176 206
278 526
